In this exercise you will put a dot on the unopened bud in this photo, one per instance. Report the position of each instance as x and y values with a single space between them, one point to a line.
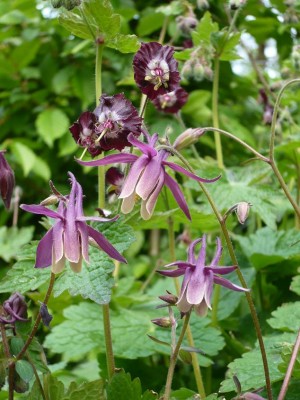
7 180
46 316
169 298
70 4
186 24
208 73
164 322
49 201
202 4
56 3
198 72
242 211
188 137
236 4
187 70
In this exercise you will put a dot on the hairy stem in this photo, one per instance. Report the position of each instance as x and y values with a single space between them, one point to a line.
173 358
37 321
215 100
289 371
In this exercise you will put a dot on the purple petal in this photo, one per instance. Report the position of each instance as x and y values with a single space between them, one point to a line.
200 263
177 168
44 251
197 285
111 159
99 219
149 179
145 148
180 264
58 242
229 285
209 290
173 273
41 210
218 254
71 235
177 193
133 176
84 236
222 270
104 244
185 282
191 250
201 309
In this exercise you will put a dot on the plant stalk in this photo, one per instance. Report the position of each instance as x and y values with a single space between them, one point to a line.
215 100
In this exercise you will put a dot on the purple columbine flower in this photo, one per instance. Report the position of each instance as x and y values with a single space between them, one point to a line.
108 126
7 180
197 285
147 176
171 102
15 309
155 69
69 237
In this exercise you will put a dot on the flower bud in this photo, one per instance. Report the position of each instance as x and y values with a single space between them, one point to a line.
169 298
164 322
186 24
7 180
202 4
70 4
46 316
242 211
15 308
49 201
198 71
187 70
188 137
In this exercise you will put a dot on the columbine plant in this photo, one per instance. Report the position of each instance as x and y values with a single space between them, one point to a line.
68 239
199 278
147 176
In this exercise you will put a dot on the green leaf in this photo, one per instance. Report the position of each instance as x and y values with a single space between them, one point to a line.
74 24
24 370
87 391
23 277
266 247
286 354
95 280
286 317
41 169
183 394
23 54
121 387
52 124
150 23
124 43
12 239
295 285
205 28
249 368
229 50
16 345
176 7
24 155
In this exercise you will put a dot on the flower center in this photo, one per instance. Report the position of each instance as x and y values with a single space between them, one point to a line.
167 100
158 73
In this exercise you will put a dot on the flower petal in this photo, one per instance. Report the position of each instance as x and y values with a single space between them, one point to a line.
76 267
58 242
44 251
218 254
229 285
149 179
222 270
99 219
147 149
177 168
41 210
180 264
177 193
200 263
173 273
111 159
191 251
58 266
201 309
84 242
104 244
128 204
133 176
148 205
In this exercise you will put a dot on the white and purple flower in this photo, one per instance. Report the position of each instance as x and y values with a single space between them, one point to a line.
197 285
68 239
171 102
147 176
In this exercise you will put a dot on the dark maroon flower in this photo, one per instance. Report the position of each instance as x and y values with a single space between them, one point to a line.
116 118
171 102
15 309
83 131
46 316
155 69
115 178
7 180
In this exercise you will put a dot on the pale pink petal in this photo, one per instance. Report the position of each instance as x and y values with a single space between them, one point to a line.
111 159
191 251
201 309
133 176
196 288
200 263
84 241
209 287
58 242
59 266
147 206
218 254
99 219
128 204
149 180
178 195
76 267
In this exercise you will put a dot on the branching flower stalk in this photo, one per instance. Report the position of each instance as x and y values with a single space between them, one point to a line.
238 271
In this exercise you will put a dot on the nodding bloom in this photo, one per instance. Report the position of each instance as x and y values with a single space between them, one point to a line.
15 309
171 102
197 285
147 176
108 126
7 180
69 236
155 69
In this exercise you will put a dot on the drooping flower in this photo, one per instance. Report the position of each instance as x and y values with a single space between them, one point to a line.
7 180
171 102
155 69
69 236
15 309
147 176
108 126
197 285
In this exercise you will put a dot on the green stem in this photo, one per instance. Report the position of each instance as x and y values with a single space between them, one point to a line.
173 358
215 99
11 365
239 273
110 361
214 312
37 321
